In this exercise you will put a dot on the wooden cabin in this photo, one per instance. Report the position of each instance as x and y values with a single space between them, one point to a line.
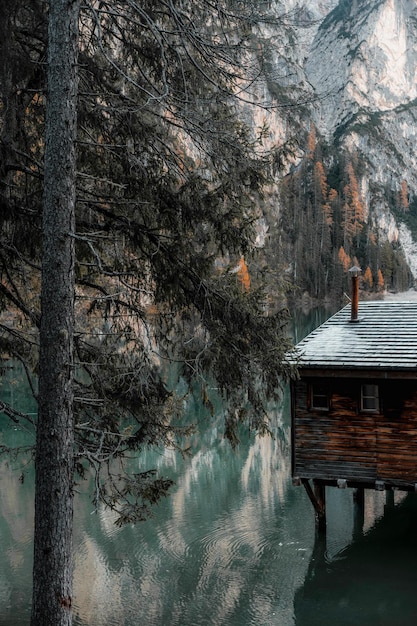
354 407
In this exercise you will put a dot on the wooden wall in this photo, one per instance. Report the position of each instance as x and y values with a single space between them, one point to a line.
345 443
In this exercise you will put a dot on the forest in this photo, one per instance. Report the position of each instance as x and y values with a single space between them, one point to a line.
326 228
133 185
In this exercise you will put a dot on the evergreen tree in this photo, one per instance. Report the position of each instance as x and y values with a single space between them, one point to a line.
323 219
167 181
54 461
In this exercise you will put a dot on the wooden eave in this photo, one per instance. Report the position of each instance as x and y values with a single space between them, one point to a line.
355 372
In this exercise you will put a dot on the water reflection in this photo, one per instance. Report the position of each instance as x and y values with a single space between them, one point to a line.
371 581
224 549
16 531
234 545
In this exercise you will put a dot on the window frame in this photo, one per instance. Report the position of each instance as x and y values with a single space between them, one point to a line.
368 396
323 392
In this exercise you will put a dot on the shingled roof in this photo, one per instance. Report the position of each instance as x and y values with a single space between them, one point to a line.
385 338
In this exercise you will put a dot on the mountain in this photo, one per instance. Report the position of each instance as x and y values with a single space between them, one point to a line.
356 64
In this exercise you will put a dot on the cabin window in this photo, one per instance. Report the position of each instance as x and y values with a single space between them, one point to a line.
369 398
319 396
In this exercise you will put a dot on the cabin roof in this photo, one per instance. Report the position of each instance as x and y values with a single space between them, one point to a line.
385 338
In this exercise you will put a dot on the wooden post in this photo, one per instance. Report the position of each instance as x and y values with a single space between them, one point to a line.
317 496
389 499
320 495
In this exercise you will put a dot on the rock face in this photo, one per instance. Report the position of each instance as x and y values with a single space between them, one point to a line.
359 58
363 60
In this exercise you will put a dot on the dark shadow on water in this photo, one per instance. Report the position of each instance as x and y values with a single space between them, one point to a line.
372 582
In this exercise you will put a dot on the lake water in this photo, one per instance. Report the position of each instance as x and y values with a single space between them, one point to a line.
234 544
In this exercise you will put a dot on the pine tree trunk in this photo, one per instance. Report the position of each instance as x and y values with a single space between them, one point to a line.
54 462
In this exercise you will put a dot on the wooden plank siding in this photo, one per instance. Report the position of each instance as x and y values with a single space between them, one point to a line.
336 444
344 442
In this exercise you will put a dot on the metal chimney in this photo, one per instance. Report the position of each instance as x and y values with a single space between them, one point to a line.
354 274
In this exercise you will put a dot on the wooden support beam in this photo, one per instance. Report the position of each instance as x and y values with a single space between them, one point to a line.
317 496
389 499
359 496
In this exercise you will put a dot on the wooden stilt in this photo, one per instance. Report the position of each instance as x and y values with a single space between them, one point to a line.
317 495
389 499
320 494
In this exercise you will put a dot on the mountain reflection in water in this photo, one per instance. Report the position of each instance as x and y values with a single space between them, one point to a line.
217 552
234 545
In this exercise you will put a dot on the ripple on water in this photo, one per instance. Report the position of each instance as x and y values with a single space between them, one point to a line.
193 566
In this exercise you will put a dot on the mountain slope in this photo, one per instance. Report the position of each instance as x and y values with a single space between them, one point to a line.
359 62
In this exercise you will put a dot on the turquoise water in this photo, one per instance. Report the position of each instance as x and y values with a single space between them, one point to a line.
233 545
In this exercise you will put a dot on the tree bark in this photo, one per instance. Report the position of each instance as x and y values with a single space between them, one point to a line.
54 461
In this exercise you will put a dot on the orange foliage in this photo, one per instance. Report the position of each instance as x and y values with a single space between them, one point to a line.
356 200
332 195
381 281
353 209
344 258
368 278
243 274
404 196
321 178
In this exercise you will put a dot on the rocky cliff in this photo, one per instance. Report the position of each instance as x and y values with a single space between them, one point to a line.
357 66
